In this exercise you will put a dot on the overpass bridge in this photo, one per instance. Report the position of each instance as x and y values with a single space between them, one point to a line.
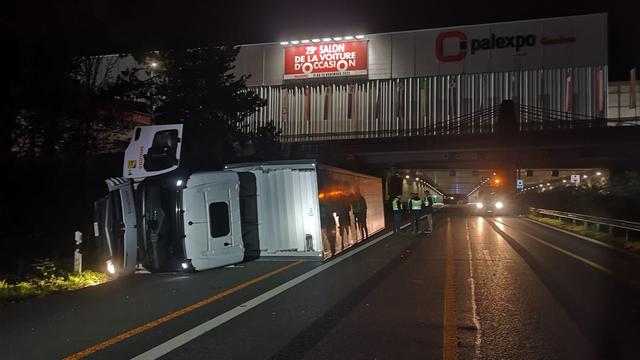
508 136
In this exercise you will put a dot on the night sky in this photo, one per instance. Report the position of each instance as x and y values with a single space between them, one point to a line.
115 26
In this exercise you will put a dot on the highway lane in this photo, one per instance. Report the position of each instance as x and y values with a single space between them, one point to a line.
519 316
485 287
597 286
69 323
504 308
298 323
62 324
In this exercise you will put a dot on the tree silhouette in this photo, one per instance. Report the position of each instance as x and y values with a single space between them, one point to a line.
197 87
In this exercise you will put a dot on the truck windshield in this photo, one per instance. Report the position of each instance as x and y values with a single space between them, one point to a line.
162 225
108 214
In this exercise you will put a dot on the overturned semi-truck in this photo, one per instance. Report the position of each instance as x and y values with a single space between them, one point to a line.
165 218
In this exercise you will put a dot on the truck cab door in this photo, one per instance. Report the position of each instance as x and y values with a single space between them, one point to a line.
153 150
115 228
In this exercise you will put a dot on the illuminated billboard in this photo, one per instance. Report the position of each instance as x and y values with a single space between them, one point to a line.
329 59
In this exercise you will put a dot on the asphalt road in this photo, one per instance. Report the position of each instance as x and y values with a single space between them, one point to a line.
476 288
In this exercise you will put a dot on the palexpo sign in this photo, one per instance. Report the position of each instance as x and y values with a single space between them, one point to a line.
492 42
330 59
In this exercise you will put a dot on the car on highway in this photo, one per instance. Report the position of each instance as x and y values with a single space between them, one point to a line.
492 203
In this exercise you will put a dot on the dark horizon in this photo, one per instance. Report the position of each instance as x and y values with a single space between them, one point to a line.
107 27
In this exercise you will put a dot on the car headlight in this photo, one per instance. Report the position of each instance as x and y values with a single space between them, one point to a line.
499 205
479 205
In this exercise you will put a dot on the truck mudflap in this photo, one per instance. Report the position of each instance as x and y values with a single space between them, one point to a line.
153 150
115 227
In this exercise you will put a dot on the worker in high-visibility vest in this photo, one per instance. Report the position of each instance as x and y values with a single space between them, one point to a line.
415 207
396 206
428 210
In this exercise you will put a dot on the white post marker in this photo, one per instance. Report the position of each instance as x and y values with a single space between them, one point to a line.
575 179
77 256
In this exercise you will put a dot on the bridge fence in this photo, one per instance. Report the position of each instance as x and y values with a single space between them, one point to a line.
485 121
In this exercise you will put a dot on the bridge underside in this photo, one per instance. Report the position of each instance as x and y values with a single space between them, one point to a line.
456 164
608 147
462 182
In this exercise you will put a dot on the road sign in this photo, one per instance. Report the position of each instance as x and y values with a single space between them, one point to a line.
575 179
520 184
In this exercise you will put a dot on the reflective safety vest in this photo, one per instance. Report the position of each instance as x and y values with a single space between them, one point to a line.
415 204
395 203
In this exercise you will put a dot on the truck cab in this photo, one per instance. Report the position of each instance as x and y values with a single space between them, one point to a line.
165 218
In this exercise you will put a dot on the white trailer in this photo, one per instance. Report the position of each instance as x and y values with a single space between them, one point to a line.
208 219
306 209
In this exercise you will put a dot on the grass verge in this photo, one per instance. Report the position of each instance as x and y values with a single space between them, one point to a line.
588 232
40 286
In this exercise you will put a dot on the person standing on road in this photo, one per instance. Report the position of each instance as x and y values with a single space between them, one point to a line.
428 210
415 206
396 206
359 209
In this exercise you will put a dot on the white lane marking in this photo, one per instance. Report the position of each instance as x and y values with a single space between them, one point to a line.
211 324
472 285
622 251
487 256
567 252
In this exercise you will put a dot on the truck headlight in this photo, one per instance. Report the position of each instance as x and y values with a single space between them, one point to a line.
110 268
499 205
186 265
479 205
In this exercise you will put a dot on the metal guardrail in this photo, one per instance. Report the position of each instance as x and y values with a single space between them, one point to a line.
611 223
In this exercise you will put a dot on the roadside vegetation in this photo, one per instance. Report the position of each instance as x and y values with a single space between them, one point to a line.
618 198
68 118
590 232
46 279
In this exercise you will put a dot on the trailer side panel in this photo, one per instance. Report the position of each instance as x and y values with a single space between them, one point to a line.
351 208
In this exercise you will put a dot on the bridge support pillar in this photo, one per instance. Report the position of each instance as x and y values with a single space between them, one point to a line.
392 184
507 124
506 131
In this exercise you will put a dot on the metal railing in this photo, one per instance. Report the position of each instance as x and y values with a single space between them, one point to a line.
484 121
479 122
533 118
627 226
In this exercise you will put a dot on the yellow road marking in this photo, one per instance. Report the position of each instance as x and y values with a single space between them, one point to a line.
116 339
577 257
449 336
